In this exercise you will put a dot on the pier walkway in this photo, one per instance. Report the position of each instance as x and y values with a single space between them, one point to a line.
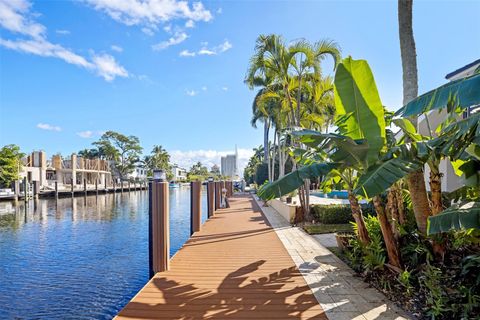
236 267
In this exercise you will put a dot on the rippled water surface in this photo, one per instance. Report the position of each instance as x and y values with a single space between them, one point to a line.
80 258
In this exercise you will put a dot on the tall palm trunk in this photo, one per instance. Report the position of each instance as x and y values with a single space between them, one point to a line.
266 149
358 216
387 232
273 154
415 180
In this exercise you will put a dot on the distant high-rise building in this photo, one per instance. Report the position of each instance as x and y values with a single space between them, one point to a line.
229 165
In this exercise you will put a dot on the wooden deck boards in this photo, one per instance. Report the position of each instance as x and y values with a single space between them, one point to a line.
234 268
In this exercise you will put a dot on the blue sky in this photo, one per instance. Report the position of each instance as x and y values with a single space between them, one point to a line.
171 72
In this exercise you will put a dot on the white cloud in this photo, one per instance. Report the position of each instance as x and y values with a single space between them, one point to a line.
186 53
148 31
85 134
206 51
204 88
108 68
62 32
190 24
49 127
151 12
208 158
177 38
116 48
225 88
15 17
191 93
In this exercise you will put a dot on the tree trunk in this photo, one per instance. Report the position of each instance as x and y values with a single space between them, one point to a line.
266 149
407 51
436 189
273 155
358 216
387 232
415 180
438 243
400 206
392 211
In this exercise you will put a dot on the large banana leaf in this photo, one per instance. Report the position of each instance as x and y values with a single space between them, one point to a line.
294 180
341 148
359 106
380 177
466 92
455 219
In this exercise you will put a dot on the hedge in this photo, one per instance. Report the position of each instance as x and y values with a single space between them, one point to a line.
337 214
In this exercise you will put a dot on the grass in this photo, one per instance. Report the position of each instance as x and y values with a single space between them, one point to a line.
328 228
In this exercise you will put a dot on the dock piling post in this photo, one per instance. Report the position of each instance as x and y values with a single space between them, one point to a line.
73 188
96 186
195 206
210 198
129 186
218 194
56 190
85 186
159 227
105 183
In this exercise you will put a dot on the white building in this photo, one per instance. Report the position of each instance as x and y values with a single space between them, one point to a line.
138 174
179 174
229 165
431 120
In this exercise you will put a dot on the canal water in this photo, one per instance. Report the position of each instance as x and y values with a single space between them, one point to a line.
80 258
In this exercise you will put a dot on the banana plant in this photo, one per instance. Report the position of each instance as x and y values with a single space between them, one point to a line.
361 138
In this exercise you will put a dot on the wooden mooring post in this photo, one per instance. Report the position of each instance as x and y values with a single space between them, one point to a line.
218 194
195 206
56 189
36 189
96 186
85 186
158 227
210 198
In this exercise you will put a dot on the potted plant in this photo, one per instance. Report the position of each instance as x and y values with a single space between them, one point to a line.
290 196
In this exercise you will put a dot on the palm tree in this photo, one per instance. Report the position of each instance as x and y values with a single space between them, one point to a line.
415 180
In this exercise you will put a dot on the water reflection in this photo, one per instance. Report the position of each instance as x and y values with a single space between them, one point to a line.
80 258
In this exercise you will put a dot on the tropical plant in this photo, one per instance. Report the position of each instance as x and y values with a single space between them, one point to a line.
10 164
123 151
158 159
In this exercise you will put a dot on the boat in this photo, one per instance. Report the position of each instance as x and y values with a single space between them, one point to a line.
173 185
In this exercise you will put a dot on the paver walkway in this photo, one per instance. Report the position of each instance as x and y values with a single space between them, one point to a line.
341 294
236 267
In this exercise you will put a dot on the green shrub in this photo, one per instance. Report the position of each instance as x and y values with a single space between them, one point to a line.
336 214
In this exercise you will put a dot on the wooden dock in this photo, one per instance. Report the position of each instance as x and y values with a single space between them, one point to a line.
234 268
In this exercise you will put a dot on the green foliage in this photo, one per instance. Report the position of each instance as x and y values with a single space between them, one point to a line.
261 174
357 99
10 164
455 217
335 214
198 172
465 91
158 159
436 298
370 257
328 228
123 150
405 280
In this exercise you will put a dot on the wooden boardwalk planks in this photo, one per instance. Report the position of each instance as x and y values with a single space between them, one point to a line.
234 268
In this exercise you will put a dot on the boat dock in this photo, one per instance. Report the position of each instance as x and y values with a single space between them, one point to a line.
235 267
